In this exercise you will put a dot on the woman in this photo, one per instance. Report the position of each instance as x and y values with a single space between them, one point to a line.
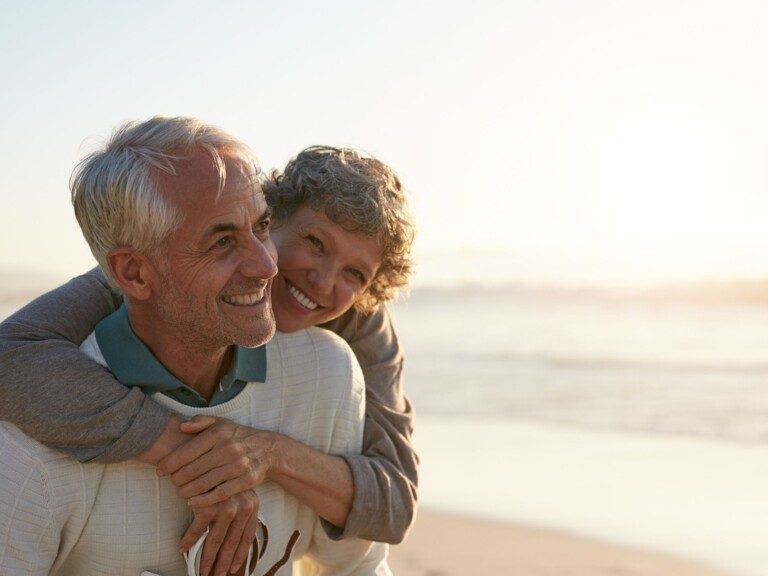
343 234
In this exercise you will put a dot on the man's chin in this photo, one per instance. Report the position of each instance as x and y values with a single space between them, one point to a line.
254 342
257 335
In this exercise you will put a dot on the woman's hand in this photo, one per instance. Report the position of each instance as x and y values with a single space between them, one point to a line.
233 525
221 460
224 459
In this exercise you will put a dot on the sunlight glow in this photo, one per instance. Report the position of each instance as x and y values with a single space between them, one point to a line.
563 140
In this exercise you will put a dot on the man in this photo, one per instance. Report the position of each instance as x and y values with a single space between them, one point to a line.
174 214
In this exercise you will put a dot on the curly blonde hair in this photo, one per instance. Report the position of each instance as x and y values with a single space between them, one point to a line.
359 193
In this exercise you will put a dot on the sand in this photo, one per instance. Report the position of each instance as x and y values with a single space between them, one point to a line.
691 498
446 545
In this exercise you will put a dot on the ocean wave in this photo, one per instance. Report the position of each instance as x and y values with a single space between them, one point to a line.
745 292
592 363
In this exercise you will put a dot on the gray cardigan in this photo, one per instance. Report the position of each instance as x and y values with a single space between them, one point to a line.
61 398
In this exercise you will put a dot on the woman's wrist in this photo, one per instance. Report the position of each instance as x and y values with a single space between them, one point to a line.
319 480
284 452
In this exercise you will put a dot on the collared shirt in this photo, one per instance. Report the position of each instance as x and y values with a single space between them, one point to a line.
133 364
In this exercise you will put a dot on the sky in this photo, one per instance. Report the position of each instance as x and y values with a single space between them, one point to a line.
542 141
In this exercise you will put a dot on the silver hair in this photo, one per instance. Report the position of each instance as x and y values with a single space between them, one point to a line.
115 190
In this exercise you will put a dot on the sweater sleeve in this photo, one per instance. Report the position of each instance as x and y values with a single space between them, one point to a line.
350 556
29 534
386 474
55 394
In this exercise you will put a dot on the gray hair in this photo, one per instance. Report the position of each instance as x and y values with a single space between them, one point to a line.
359 193
115 192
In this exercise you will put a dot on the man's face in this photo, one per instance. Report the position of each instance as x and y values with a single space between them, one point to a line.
324 269
216 268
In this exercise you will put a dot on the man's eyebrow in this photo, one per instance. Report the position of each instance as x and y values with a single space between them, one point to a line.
232 227
222 227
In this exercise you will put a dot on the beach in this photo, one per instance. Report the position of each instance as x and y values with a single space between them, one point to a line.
452 545
639 422
542 499
572 436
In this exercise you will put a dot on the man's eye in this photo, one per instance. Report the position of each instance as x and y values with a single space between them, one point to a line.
223 242
262 227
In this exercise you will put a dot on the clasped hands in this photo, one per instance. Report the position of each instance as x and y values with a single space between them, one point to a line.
216 471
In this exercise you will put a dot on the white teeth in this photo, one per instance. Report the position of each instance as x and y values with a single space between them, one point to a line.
302 298
244 299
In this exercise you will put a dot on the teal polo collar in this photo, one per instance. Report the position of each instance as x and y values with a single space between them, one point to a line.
133 364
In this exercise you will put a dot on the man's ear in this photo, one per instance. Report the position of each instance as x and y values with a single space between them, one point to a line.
133 272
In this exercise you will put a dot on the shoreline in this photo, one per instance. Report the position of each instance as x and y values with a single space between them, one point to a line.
448 544
694 498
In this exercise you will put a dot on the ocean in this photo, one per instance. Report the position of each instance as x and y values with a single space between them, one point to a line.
634 417
589 358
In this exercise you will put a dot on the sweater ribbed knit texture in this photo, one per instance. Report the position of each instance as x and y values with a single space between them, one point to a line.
58 516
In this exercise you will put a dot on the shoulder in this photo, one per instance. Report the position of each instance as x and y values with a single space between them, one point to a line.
33 471
354 325
314 353
312 342
18 448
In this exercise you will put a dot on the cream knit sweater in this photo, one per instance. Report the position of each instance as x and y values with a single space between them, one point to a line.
58 516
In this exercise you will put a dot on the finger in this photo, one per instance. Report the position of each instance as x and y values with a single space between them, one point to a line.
216 536
195 530
249 535
226 560
185 454
197 424
210 470
221 464
237 476
201 474
216 446
223 491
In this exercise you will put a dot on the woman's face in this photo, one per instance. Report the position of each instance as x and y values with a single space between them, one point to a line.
322 269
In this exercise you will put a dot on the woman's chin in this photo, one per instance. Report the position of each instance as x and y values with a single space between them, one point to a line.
287 322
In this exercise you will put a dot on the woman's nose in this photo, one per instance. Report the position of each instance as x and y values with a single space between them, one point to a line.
322 277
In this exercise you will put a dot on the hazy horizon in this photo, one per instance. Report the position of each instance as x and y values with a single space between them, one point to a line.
18 285
554 142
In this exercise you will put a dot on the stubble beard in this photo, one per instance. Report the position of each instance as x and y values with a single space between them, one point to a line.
181 316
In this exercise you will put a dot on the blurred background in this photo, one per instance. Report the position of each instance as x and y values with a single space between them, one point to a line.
589 180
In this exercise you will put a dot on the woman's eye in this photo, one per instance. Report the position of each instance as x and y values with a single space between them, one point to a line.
315 241
358 275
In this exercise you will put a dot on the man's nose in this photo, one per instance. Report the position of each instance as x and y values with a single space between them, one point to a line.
259 258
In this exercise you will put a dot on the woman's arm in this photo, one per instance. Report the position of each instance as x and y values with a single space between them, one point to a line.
55 394
370 496
386 473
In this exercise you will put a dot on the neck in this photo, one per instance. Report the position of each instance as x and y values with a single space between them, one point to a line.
202 374
199 367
